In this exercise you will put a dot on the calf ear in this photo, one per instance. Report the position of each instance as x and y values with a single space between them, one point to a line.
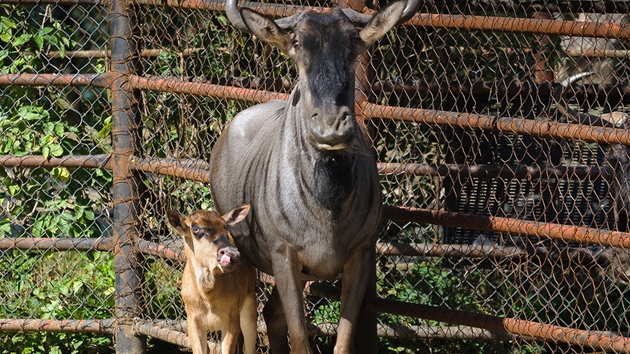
237 214
176 220
381 23
266 30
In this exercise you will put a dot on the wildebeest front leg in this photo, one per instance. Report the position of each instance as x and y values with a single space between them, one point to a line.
353 284
285 309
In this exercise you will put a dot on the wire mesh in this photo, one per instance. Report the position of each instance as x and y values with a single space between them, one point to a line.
492 136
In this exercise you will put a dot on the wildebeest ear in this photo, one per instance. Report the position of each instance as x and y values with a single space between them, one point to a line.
176 220
266 29
237 214
381 23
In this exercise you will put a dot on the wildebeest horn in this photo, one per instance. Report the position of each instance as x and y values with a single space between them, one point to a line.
231 9
614 119
362 19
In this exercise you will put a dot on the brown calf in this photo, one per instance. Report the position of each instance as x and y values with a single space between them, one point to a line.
217 284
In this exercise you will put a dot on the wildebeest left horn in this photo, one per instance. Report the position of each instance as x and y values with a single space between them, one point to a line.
614 119
231 10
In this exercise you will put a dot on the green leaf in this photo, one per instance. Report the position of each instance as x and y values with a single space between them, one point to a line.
8 22
45 152
20 40
6 36
56 150
88 213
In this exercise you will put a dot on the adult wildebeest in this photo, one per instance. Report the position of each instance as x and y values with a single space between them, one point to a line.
306 168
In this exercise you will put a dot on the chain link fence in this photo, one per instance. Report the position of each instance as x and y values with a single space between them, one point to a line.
506 177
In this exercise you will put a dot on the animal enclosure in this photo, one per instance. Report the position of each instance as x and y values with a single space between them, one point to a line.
505 177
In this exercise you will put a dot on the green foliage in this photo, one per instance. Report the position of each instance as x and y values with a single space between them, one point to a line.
77 286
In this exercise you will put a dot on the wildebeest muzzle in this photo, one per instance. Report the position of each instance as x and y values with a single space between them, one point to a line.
332 130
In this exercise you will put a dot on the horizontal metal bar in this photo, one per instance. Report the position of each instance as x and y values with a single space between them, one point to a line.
440 332
546 129
497 90
105 244
465 22
592 339
97 80
513 226
201 173
167 334
494 171
106 326
76 161
171 167
447 250
162 251
89 54
523 25
201 89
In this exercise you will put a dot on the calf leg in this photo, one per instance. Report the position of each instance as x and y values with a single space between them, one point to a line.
197 336
248 325
353 284
229 336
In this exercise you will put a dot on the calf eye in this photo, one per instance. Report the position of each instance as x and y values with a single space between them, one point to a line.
296 44
197 231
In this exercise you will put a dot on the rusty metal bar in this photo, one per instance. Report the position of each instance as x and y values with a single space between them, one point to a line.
591 339
171 167
445 332
106 326
83 161
177 168
448 250
494 171
97 80
584 92
90 54
546 129
165 334
523 25
207 90
513 226
465 22
105 244
158 250
126 142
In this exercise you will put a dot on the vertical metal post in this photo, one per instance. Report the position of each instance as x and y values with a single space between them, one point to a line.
366 339
125 143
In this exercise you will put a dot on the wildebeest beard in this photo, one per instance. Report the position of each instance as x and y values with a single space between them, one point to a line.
334 179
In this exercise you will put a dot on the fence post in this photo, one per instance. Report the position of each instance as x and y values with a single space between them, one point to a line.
125 143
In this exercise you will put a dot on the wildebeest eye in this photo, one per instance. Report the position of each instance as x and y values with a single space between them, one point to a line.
296 44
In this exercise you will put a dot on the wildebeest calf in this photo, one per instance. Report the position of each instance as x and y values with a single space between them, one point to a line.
218 285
